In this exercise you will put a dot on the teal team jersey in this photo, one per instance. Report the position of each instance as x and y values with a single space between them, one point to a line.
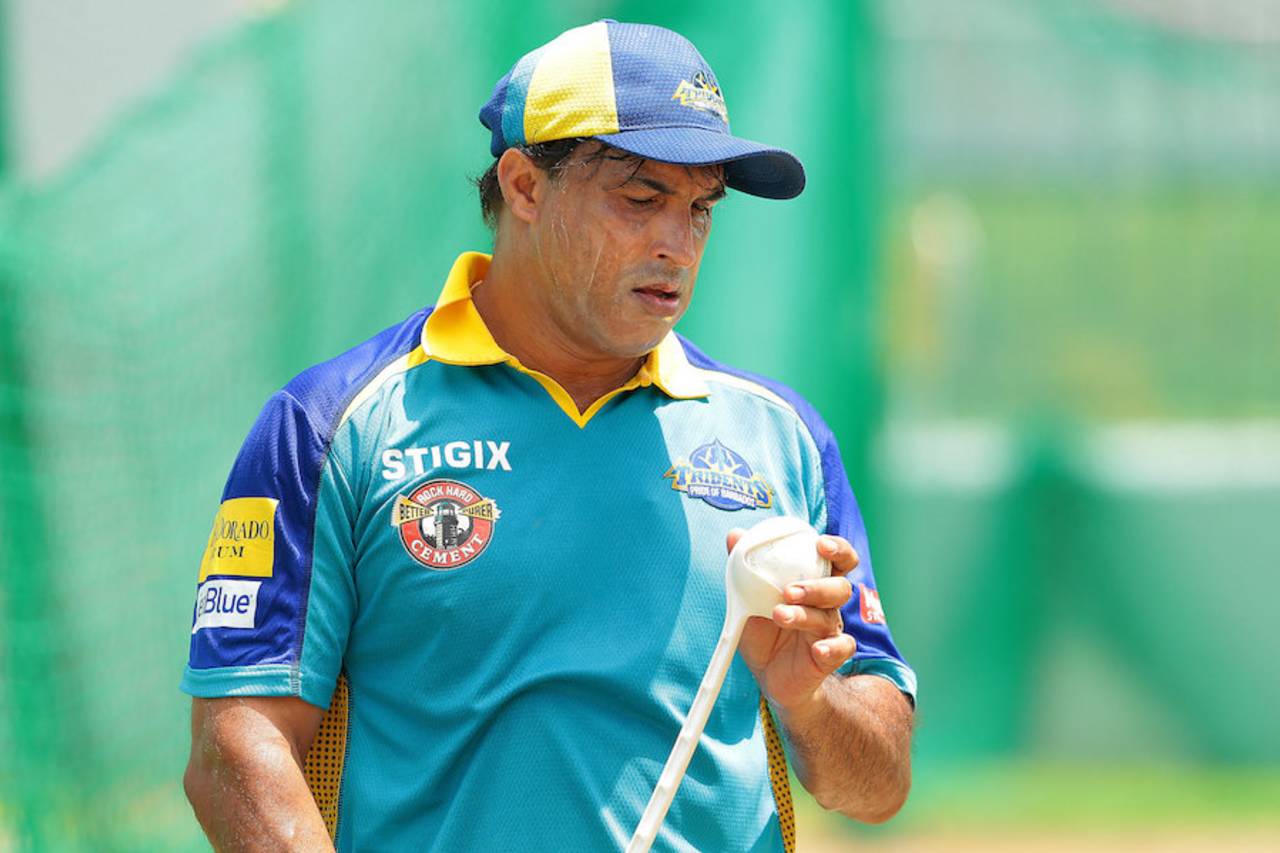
505 604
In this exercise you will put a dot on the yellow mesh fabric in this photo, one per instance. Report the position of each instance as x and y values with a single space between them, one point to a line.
571 90
778 778
323 765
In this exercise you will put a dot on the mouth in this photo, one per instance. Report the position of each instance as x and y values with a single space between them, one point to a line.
665 298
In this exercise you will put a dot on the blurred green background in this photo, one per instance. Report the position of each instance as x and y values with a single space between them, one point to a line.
1032 285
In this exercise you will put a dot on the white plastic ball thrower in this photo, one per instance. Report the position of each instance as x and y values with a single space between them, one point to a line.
772 554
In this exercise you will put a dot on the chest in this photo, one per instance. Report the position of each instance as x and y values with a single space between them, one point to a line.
487 519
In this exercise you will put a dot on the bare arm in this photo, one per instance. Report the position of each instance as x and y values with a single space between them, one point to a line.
244 778
851 746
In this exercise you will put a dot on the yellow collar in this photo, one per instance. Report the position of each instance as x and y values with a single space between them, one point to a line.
455 333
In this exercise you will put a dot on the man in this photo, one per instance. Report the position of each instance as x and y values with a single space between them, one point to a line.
466 577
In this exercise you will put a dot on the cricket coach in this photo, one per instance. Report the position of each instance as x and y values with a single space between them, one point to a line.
465 577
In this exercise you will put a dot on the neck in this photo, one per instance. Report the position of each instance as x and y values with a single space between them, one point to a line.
519 323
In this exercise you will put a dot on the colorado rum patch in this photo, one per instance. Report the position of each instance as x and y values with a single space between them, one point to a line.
444 524
242 542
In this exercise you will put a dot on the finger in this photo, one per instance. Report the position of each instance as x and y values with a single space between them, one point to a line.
829 654
821 623
819 592
841 554
732 539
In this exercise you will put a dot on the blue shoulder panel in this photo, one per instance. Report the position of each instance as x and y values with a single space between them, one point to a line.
281 461
863 616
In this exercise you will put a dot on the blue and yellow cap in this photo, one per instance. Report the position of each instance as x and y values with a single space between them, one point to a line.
637 87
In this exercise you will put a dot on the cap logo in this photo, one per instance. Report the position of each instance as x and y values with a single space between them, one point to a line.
702 94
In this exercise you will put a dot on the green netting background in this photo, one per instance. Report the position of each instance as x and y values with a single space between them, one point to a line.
1032 285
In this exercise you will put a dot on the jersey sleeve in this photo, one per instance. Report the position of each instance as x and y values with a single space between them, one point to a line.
863 615
275 596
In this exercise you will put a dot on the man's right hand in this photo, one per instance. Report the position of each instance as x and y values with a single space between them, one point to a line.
244 778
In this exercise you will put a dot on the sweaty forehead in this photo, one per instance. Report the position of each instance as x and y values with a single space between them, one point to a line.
612 168
696 178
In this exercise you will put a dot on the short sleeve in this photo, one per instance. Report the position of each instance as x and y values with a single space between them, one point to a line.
274 596
864 617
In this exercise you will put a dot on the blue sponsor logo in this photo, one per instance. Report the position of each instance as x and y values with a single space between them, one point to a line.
226 603
719 476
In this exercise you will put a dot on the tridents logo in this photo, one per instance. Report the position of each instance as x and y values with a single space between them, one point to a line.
444 524
702 94
715 474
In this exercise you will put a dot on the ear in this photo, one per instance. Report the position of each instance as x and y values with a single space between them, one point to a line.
523 184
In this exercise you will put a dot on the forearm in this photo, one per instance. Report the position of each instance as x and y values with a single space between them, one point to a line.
851 746
246 785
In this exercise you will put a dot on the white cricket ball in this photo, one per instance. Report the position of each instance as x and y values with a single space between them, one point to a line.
776 552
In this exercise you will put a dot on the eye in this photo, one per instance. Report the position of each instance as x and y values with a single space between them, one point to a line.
642 202
702 215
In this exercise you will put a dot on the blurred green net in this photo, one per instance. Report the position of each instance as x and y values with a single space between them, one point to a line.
1031 285
1081 449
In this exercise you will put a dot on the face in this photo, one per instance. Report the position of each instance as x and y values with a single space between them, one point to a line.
618 243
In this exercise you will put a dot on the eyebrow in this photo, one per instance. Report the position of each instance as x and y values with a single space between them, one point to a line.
658 186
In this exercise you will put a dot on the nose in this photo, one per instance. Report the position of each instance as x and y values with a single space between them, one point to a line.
677 239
